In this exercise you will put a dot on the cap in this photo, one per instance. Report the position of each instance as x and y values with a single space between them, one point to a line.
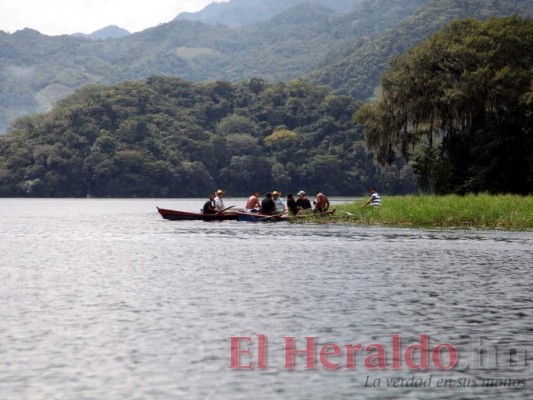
301 193
276 193
220 191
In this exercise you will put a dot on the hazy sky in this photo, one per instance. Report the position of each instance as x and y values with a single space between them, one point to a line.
56 17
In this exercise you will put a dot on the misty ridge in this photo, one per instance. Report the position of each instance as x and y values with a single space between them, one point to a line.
344 45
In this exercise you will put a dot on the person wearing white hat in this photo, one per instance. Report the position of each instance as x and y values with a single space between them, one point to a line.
280 207
219 204
303 202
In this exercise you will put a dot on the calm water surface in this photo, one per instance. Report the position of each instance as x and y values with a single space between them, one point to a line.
103 299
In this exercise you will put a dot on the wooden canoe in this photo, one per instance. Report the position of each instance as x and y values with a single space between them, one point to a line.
256 217
175 215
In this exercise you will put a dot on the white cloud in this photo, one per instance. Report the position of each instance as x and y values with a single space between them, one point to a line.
56 17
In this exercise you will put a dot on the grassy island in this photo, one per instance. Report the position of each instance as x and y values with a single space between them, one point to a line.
480 211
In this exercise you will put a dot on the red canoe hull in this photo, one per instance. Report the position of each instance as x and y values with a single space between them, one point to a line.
175 215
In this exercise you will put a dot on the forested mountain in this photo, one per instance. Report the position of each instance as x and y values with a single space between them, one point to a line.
108 32
238 13
346 51
356 72
170 137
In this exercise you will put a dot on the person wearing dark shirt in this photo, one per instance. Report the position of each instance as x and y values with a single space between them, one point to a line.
267 205
291 204
209 206
303 202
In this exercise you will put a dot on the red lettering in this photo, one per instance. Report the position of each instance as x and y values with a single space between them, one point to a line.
350 354
324 353
396 352
236 352
378 359
422 347
262 351
291 352
437 354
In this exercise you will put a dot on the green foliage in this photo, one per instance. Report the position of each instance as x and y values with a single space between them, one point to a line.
281 139
237 124
180 129
345 51
459 104
395 27
169 137
481 211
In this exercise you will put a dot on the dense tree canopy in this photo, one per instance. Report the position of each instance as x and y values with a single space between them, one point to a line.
461 105
170 137
347 52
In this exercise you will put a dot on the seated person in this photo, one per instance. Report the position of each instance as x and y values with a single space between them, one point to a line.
321 202
219 203
253 204
291 204
374 200
280 207
267 205
209 206
303 202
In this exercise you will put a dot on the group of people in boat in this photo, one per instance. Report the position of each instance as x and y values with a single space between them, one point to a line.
273 204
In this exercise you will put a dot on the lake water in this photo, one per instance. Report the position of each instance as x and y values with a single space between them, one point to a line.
103 299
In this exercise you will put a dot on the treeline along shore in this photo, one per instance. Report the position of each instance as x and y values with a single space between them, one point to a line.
167 137
453 116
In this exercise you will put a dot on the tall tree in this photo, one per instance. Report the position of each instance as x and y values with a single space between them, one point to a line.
460 104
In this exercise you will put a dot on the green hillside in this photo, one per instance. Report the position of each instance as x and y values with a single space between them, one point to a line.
170 137
345 51
356 72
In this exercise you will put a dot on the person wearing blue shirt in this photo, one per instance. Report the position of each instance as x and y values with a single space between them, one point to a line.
280 207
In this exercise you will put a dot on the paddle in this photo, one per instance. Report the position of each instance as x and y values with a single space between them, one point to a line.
224 210
270 216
